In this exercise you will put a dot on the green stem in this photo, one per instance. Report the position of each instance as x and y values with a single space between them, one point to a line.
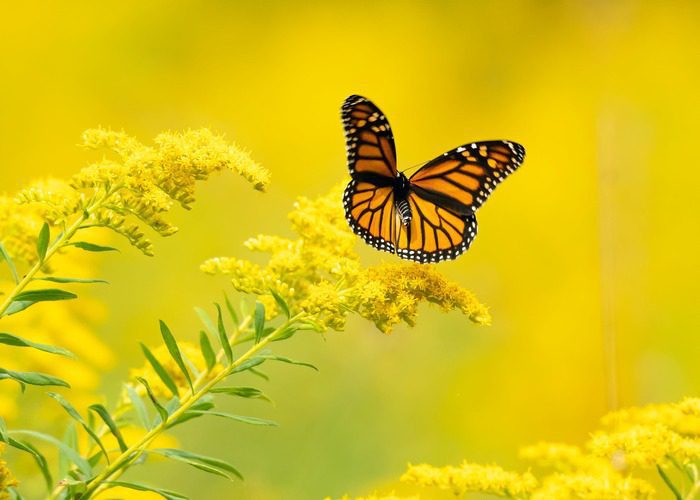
133 452
60 242
669 483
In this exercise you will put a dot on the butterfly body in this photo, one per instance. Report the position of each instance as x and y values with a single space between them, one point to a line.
429 216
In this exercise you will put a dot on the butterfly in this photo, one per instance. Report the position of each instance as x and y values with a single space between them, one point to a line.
429 216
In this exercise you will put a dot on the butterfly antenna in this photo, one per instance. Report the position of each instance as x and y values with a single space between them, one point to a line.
417 165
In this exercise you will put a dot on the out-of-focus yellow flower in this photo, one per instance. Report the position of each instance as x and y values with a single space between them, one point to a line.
638 446
593 487
189 352
319 273
682 417
562 457
469 477
6 479
19 227
377 496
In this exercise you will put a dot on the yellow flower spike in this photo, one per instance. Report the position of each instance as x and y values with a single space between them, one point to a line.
593 487
319 273
468 477
638 446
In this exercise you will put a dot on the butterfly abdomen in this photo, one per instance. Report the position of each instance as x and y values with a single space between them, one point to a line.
404 210
401 190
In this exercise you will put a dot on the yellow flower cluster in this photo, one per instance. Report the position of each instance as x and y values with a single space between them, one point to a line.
142 184
6 479
19 227
469 477
663 437
319 273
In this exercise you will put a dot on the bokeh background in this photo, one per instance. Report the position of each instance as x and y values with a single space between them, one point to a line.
587 256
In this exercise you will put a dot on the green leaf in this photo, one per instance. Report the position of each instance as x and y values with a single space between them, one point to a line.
174 350
259 373
14 340
80 462
139 407
91 247
58 279
207 351
199 405
159 408
42 242
259 321
208 464
27 448
167 494
162 372
248 364
29 298
242 392
223 336
111 425
6 257
237 418
206 320
287 360
70 438
231 310
78 418
288 332
32 378
280 302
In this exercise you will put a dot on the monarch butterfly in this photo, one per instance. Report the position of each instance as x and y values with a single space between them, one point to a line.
429 216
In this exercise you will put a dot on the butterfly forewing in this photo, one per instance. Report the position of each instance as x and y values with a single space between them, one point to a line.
463 178
369 140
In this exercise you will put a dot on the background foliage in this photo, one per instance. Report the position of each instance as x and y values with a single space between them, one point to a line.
594 234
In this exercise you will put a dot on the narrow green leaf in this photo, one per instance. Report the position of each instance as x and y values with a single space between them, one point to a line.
206 320
248 364
42 242
223 336
207 351
162 372
139 407
200 405
212 465
79 461
91 247
174 351
242 392
259 373
6 257
70 438
109 422
288 332
78 418
14 494
59 279
32 378
40 460
159 408
287 360
29 298
27 448
167 494
14 340
231 310
259 321
281 303
238 418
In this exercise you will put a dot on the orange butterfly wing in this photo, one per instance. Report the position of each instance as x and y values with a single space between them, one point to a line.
463 178
369 203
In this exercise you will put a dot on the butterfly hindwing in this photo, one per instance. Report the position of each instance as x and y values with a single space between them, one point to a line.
369 140
463 178
435 233
371 212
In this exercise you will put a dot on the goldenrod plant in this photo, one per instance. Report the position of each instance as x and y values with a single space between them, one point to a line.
614 463
311 283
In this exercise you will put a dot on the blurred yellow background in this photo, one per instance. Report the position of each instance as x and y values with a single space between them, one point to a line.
594 238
